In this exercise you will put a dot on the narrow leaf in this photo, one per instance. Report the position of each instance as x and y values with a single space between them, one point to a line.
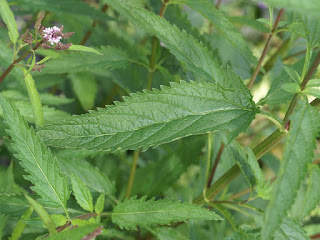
185 47
34 99
312 197
222 24
85 88
8 18
141 212
42 214
84 49
82 193
181 110
297 155
98 208
90 175
18 230
36 159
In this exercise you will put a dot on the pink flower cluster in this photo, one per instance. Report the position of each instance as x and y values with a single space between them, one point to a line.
52 35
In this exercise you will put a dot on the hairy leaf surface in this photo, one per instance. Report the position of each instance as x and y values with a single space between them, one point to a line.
36 159
139 212
305 123
155 117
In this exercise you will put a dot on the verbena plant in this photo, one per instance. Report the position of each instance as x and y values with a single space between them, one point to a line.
200 131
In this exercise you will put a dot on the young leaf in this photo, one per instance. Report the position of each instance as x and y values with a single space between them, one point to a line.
184 46
90 175
141 212
85 88
18 230
98 208
8 18
34 99
84 49
297 155
42 214
82 193
76 61
222 24
181 110
36 159
77 233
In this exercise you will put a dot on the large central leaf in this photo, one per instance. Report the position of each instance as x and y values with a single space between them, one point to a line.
157 117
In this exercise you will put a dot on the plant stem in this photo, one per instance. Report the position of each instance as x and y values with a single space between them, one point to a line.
265 50
155 44
215 164
209 151
12 65
94 24
263 147
306 79
132 172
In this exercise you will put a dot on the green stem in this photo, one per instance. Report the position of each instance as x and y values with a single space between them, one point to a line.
132 172
155 44
262 148
208 157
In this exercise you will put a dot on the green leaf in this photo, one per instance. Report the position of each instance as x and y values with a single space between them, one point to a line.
34 99
291 87
166 233
305 123
85 88
309 7
308 197
36 159
8 18
90 175
19 228
75 61
3 224
292 74
308 27
42 214
13 204
66 7
181 110
82 193
263 188
84 49
98 208
7 183
45 98
77 233
290 229
139 212
312 91
185 47
222 24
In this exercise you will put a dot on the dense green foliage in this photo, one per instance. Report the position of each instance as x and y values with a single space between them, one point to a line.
159 119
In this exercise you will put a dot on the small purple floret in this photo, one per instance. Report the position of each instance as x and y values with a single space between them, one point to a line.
52 35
